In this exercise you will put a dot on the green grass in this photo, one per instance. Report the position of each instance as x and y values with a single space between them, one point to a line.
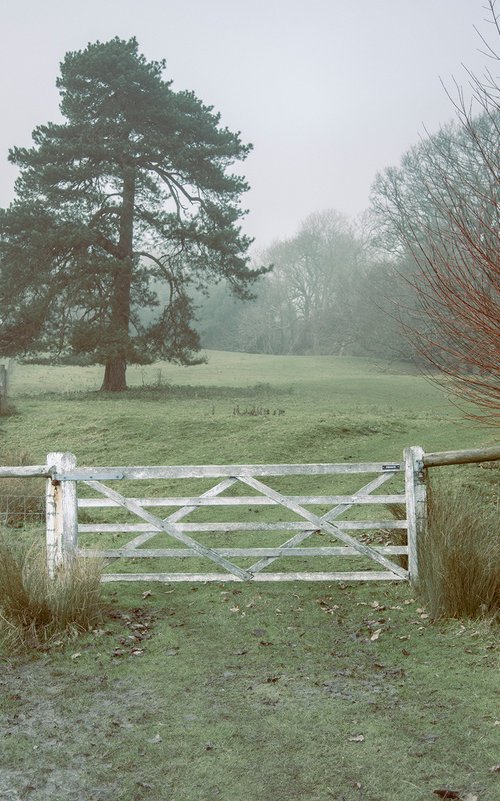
251 692
334 409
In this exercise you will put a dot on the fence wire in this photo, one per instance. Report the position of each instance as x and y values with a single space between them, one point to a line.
17 511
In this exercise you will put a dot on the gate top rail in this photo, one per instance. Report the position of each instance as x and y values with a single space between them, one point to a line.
219 471
437 459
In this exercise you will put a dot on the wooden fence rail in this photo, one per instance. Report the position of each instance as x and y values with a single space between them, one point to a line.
63 529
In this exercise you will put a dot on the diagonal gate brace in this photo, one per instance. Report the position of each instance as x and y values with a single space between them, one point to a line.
180 514
324 525
162 525
337 511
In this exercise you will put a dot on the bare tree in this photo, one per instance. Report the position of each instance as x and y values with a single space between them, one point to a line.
442 205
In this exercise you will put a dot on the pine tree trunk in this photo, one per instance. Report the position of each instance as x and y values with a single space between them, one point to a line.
116 365
114 376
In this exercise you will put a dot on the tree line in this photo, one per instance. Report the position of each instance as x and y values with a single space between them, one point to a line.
330 291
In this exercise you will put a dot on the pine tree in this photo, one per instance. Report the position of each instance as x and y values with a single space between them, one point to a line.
117 210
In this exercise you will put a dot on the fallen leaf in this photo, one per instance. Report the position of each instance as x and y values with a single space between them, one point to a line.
75 656
495 769
171 652
240 652
137 651
445 793
235 609
376 634
146 594
156 739
264 642
470 797
356 738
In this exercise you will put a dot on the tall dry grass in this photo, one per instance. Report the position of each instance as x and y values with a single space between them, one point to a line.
35 610
459 555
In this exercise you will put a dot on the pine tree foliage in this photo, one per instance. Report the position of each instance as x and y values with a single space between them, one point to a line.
118 210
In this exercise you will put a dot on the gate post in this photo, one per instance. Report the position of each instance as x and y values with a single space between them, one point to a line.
3 389
61 513
416 505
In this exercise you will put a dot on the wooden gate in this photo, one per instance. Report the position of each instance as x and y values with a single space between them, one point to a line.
64 533
63 528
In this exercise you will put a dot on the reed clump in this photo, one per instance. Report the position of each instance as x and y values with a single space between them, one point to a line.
459 554
35 610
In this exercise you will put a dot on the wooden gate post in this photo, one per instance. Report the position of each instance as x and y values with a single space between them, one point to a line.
61 513
416 505
3 389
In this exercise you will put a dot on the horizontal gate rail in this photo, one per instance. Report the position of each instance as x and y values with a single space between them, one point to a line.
221 578
248 500
353 525
219 471
184 553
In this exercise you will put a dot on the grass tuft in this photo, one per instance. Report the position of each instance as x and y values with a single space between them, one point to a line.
35 610
459 555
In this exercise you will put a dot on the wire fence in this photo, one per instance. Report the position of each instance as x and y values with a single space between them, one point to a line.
17 511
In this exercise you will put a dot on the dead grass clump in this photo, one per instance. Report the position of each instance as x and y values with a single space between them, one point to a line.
397 536
459 555
35 610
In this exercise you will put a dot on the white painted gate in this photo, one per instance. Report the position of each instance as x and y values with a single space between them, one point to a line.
63 536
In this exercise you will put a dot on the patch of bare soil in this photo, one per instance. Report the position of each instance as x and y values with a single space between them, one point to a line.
49 752
60 734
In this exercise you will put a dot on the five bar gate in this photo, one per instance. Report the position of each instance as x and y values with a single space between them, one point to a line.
63 528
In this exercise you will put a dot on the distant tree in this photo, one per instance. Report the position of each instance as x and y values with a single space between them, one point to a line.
117 211
305 305
442 206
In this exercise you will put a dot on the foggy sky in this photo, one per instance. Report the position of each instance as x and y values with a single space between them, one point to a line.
328 91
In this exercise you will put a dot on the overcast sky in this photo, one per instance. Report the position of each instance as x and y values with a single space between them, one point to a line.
328 91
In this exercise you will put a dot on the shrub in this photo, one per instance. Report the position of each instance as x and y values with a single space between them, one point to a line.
459 555
35 610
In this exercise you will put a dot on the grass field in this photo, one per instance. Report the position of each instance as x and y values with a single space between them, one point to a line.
311 691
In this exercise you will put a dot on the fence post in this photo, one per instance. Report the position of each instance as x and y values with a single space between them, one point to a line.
416 505
3 389
61 513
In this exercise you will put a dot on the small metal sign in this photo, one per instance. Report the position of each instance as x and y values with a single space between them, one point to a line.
390 467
